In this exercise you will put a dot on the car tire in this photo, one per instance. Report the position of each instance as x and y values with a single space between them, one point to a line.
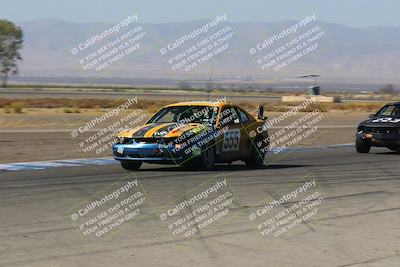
362 146
256 159
207 158
131 165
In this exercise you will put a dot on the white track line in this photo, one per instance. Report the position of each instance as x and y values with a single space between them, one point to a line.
40 165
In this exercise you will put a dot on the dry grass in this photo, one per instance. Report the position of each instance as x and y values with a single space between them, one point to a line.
71 110
323 107
355 106
85 103
14 107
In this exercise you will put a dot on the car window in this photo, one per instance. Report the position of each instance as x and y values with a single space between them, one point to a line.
390 110
167 116
184 114
243 116
229 117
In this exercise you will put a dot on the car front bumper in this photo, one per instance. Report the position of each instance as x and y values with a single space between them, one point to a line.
150 153
380 139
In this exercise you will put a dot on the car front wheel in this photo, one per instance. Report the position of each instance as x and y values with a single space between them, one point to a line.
257 158
207 159
204 161
362 146
131 165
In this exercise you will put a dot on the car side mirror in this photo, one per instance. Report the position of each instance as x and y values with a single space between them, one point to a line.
371 115
260 114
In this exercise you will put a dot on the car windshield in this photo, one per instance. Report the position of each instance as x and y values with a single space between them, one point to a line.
390 111
185 114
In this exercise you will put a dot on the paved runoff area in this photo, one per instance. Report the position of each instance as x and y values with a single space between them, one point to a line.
327 206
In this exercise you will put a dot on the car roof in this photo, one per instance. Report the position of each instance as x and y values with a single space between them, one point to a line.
392 104
200 103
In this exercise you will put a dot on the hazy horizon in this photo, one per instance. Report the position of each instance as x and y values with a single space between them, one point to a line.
200 19
382 13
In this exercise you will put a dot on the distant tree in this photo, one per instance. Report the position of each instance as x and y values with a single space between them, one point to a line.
387 89
184 85
10 44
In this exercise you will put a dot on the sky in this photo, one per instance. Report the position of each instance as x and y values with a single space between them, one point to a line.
354 13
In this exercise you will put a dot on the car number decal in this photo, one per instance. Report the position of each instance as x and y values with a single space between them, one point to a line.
231 140
392 120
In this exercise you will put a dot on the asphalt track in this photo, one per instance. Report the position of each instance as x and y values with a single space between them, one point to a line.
358 224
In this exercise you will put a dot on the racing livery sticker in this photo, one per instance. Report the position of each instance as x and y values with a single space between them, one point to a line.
231 140
392 120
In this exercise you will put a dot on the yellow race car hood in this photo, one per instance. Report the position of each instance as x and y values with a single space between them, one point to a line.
161 130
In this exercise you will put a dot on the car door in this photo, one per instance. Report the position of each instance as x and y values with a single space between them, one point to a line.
230 143
245 142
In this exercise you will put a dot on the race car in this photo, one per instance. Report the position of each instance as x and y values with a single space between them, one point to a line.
381 129
195 134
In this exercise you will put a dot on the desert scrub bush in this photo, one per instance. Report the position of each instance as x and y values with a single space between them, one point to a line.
281 109
17 107
71 110
7 109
